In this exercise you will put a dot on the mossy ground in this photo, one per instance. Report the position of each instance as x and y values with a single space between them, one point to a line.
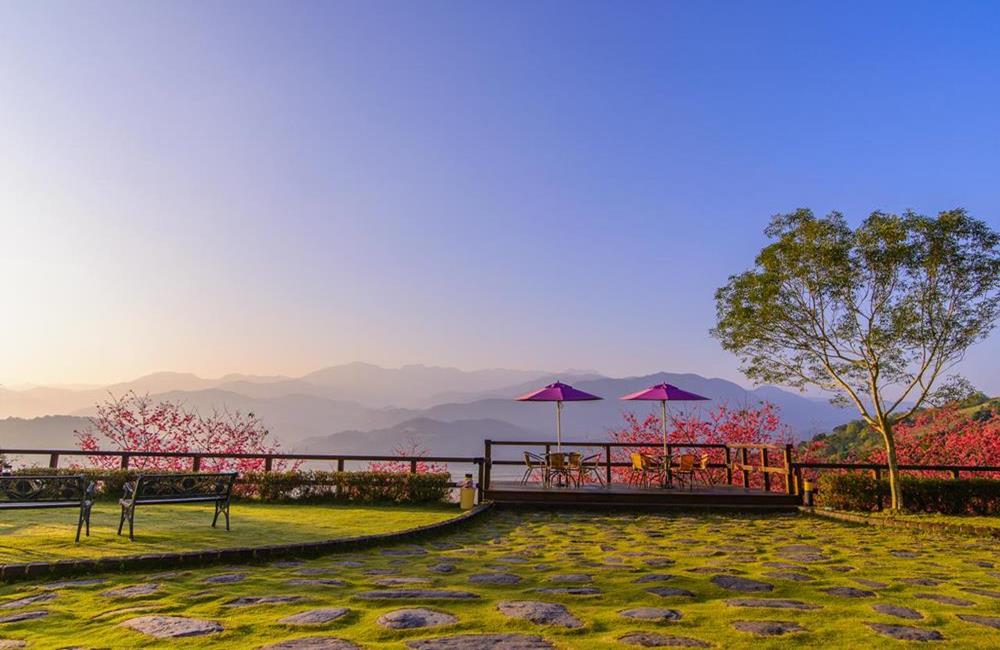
46 535
615 549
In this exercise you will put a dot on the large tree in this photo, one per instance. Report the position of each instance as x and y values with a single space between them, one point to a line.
877 315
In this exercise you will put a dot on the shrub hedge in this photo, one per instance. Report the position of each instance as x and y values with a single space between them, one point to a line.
298 486
860 493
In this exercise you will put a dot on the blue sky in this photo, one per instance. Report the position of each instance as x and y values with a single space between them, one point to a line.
273 187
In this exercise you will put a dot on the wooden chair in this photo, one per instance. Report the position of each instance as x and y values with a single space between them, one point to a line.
685 470
645 470
558 467
584 467
704 471
534 463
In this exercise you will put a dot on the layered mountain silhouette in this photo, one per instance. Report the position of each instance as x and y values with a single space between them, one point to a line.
361 408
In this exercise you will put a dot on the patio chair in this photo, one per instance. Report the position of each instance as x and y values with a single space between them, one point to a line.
644 470
558 467
685 470
704 471
534 463
584 467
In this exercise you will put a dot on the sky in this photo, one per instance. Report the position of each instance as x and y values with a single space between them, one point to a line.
274 187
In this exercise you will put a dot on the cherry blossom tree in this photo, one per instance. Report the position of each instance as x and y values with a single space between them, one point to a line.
135 422
410 448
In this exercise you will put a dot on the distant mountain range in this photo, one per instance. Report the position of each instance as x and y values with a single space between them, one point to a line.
361 408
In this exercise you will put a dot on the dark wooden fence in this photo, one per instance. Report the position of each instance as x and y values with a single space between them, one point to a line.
339 460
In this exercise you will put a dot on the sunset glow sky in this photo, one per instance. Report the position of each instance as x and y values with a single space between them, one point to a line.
275 187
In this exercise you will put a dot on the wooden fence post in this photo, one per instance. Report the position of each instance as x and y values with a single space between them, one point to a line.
479 466
124 461
487 465
789 478
744 462
763 465
607 459
729 466
196 463
413 466
53 461
268 464
955 474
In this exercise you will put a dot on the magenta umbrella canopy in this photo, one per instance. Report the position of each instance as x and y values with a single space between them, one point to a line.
665 393
558 392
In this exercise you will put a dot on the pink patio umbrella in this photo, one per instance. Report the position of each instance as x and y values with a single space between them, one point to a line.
558 393
664 393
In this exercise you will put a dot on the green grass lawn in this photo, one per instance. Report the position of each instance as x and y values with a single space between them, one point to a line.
622 556
40 535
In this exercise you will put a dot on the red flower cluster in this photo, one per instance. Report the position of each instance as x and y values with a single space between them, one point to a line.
721 425
947 436
137 423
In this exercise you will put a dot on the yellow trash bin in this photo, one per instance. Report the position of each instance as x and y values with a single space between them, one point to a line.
467 498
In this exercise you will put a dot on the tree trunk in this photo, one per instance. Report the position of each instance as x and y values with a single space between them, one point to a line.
896 494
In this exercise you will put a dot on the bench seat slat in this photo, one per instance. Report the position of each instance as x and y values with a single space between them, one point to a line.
141 501
32 505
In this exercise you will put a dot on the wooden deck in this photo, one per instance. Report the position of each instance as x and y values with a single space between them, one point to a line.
728 497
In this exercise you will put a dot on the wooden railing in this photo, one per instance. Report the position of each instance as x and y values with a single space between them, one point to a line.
55 455
879 470
737 458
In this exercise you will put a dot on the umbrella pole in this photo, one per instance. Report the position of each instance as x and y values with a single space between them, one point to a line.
559 426
666 458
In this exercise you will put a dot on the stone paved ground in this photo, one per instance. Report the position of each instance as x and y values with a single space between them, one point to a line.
521 581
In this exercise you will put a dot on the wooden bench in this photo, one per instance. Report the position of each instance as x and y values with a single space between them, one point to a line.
163 489
30 492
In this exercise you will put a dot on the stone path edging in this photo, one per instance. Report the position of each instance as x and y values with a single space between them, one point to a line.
35 570
939 526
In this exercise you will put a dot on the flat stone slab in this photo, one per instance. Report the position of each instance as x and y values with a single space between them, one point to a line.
945 600
919 582
656 640
12 644
225 578
571 577
651 614
670 592
399 582
773 603
654 577
247 601
570 591
483 642
736 583
316 582
417 594
66 584
172 627
848 592
898 611
312 643
539 613
768 628
988 621
658 562
407 619
906 632
442 567
494 579
132 591
988 593
871 584
315 616
404 552
790 576
23 616
28 600
904 554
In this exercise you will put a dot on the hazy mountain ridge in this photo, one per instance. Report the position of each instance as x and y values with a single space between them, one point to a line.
299 412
